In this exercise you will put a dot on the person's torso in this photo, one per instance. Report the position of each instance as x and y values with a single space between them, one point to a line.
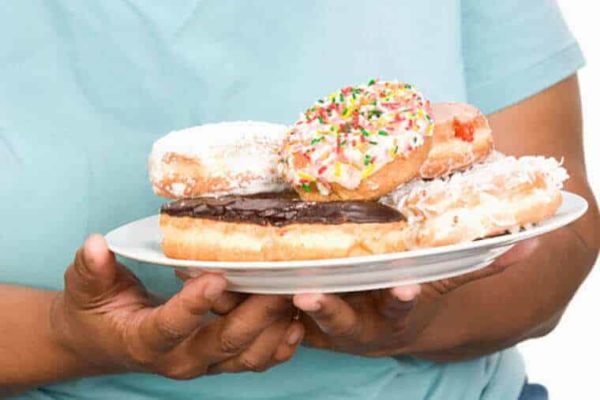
86 87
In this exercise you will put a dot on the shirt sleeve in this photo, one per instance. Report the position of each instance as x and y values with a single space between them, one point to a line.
514 49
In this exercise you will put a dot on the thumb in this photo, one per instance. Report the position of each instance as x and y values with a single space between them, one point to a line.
518 253
93 272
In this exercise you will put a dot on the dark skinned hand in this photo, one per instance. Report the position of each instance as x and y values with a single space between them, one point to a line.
107 319
385 322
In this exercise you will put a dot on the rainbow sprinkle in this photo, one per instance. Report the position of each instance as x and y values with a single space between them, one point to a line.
350 134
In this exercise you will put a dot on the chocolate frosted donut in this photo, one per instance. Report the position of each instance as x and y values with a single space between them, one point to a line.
280 211
271 228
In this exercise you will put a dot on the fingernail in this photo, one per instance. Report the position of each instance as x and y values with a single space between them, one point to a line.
407 293
309 302
87 263
313 307
87 258
294 336
533 244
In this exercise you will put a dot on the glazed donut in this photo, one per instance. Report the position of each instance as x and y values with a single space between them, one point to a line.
461 137
502 194
218 159
358 143
263 228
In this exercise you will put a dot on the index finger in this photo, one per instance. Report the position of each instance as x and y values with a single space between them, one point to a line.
517 254
520 252
227 302
397 302
334 316
245 323
170 324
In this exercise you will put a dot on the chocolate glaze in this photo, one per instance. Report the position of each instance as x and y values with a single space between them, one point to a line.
278 210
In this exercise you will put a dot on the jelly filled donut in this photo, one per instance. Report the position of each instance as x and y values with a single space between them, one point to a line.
461 138
358 143
218 159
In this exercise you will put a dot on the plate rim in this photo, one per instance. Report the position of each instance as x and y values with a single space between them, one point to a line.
564 220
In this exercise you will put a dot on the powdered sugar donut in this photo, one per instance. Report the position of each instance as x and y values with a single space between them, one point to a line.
462 136
499 195
358 143
218 159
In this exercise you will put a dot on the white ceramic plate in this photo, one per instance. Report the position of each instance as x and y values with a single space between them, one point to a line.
140 240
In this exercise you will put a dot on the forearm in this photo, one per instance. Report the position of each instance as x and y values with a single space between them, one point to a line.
524 301
29 354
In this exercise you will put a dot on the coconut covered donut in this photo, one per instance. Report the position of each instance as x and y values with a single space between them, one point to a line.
462 137
358 143
277 228
502 194
218 159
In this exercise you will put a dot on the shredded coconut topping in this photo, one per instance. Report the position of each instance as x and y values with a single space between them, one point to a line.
484 182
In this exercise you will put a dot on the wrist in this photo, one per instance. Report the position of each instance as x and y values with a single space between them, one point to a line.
71 345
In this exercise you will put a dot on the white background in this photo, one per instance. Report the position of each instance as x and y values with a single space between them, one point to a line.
567 361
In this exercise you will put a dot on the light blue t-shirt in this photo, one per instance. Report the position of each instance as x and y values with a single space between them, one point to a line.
87 86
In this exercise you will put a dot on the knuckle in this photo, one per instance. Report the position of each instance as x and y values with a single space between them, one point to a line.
250 363
345 331
283 356
178 373
166 329
194 304
229 343
224 305
181 368
235 334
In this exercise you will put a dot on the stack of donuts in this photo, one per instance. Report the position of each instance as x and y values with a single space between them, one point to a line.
369 169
